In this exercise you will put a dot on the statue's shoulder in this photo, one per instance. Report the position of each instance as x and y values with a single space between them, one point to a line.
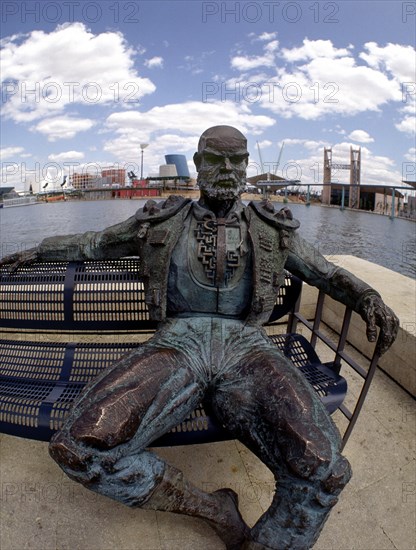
281 219
160 211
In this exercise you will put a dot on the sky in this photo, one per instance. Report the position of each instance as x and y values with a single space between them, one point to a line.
84 83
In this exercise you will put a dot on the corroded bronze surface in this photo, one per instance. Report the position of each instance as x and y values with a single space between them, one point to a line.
211 271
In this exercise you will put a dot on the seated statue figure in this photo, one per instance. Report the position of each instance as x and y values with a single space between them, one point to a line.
211 270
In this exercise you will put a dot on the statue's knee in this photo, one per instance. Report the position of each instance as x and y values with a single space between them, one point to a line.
310 459
337 478
66 452
76 460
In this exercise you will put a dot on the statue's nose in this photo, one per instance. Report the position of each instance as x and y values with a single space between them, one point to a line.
227 164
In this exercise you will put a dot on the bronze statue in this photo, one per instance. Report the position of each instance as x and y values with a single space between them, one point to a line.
211 271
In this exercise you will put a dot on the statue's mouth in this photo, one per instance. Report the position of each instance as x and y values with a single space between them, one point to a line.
226 182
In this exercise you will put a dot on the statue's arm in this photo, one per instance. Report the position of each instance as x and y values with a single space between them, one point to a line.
308 264
113 242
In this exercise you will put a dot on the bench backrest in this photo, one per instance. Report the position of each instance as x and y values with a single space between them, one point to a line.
90 295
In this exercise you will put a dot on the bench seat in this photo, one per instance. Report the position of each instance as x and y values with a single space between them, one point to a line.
52 307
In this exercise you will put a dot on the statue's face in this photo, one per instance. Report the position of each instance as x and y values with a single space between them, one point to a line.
222 172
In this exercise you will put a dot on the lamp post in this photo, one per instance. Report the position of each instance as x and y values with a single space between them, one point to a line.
142 147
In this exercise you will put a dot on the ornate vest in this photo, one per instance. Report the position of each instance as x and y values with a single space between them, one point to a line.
241 279
210 269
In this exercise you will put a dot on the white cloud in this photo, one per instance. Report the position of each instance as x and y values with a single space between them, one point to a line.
62 127
11 174
312 49
263 37
10 152
264 144
175 128
398 60
307 143
408 112
411 154
199 116
242 63
324 80
339 130
48 71
154 62
66 155
267 36
407 125
247 63
272 46
360 136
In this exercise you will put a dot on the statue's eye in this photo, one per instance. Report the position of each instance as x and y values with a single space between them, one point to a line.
210 157
237 159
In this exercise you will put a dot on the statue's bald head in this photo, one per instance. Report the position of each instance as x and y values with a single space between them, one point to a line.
222 138
221 162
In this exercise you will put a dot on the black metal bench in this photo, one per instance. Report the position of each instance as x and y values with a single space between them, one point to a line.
62 323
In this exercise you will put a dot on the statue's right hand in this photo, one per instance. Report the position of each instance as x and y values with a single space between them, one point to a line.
14 261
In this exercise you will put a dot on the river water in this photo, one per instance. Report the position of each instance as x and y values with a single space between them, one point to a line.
386 242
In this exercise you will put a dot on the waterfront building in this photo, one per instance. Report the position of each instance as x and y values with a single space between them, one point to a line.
181 165
411 207
168 171
7 192
84 181
373 198
114 176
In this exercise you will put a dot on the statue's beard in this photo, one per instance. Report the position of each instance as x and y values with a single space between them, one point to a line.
221 187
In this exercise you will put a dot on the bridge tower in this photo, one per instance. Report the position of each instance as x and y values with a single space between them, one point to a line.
326 191
355 176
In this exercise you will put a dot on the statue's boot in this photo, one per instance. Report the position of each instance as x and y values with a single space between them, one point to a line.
146 481
219 509
298 512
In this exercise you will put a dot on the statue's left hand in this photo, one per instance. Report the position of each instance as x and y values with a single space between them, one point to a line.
375 313
14 261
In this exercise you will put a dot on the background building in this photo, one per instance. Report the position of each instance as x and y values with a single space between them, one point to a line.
181 164
114 176
108 178
372 198
168 171
84 181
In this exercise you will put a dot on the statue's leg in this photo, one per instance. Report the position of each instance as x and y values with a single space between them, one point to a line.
270 407
103 442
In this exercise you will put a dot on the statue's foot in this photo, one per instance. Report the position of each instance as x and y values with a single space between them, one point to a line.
230 526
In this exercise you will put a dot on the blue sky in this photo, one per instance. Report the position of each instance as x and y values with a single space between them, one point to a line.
84 83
